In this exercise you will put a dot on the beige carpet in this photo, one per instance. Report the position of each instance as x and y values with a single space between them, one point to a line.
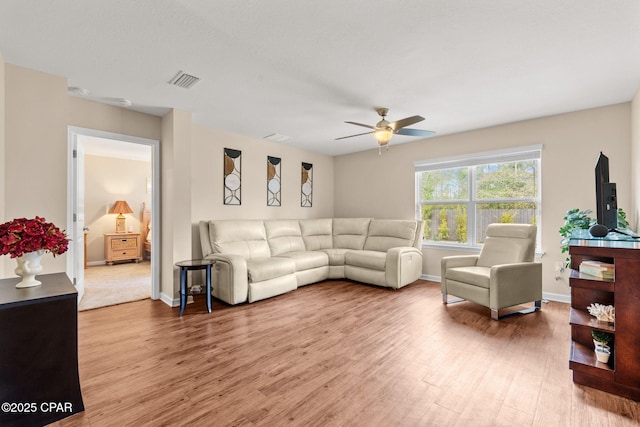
106 285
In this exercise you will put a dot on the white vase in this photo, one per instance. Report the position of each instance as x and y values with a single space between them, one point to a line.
603 351
28 267
602 354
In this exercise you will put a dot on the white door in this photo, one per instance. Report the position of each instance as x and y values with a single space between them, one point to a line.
75 260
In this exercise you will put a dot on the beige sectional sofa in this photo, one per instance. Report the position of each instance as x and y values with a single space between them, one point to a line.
258 259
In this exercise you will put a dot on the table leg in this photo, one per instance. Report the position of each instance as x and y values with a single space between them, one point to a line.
183 289
209 288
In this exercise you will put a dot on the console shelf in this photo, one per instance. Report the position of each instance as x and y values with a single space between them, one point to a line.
621 375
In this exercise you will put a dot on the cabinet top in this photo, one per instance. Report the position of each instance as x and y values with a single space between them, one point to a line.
612 240
56 285
605 243
121 234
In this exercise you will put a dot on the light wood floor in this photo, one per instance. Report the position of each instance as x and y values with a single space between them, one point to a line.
334 354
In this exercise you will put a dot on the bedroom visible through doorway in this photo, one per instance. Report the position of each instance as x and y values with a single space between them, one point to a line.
113 203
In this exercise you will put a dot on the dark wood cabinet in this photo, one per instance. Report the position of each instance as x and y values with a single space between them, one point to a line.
621 375
39 381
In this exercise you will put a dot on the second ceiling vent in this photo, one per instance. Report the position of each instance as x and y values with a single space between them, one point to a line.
184 80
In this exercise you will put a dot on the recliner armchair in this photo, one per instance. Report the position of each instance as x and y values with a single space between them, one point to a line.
501 276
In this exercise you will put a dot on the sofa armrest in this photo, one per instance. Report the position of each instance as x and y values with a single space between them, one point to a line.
513 284
230 278
453 262
403 265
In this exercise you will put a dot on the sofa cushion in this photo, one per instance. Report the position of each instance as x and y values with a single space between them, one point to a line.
350 233
373 260
284 236
317 233
385 234
479 276
336 256
246 238
260 269
306 260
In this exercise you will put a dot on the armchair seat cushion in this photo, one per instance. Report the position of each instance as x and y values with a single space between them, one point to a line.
306 260
260 269
372 260
474 275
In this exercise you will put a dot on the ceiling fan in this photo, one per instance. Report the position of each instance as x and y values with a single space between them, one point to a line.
384 130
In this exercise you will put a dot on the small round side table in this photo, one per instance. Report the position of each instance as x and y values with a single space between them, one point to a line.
194 264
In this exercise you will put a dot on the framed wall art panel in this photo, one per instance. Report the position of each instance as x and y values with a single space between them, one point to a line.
274 187
232 176
306 190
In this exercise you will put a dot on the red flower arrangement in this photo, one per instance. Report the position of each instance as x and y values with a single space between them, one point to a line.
22 235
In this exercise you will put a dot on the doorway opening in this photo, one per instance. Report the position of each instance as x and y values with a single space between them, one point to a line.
106 169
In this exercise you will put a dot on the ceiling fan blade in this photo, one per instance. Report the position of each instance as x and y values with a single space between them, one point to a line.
415 132
408 121
351 136
363 125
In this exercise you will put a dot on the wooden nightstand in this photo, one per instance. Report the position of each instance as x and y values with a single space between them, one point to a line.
122 247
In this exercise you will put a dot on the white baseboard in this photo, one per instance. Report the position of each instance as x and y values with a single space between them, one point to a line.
171 302
557 297
545 295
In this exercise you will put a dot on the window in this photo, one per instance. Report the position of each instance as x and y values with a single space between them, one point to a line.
459 197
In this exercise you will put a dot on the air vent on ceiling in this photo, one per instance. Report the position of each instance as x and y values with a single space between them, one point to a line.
276 137
184 80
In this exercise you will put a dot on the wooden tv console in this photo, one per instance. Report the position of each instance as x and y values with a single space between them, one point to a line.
621 375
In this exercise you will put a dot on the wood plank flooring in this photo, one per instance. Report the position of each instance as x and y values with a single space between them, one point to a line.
334 354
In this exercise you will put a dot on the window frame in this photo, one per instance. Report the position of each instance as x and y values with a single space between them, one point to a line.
471 161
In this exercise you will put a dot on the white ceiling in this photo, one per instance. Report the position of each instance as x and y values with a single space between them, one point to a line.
301 68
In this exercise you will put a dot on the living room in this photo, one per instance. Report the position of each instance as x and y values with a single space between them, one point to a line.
36 110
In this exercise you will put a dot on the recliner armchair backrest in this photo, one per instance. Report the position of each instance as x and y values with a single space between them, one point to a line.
386 234
284 236
508 244
246 238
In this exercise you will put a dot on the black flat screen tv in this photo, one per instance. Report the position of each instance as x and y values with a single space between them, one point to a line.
606 200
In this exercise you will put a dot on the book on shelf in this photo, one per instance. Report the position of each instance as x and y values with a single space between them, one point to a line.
596 271
599 265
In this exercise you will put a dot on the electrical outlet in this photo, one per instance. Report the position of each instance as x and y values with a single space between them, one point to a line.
559 269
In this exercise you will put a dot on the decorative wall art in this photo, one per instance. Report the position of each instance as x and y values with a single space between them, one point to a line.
232 176
273 181
306 191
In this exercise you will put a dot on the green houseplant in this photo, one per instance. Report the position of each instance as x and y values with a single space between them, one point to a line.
575 219
601 342
601 337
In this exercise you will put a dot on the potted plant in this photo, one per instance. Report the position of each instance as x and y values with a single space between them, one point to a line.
575 219
27 240
601 342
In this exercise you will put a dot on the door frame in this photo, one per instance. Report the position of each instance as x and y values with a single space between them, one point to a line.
72 137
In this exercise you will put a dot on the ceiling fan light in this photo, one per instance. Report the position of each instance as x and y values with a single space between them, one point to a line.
383 136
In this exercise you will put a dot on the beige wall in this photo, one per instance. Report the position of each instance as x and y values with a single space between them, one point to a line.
37 112
207 183
35 166
108 179
635 161
93 115
175 199
384 186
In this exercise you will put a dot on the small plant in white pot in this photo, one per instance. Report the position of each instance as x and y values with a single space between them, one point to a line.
601 342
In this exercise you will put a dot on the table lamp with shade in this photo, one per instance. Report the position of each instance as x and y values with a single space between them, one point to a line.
120 207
